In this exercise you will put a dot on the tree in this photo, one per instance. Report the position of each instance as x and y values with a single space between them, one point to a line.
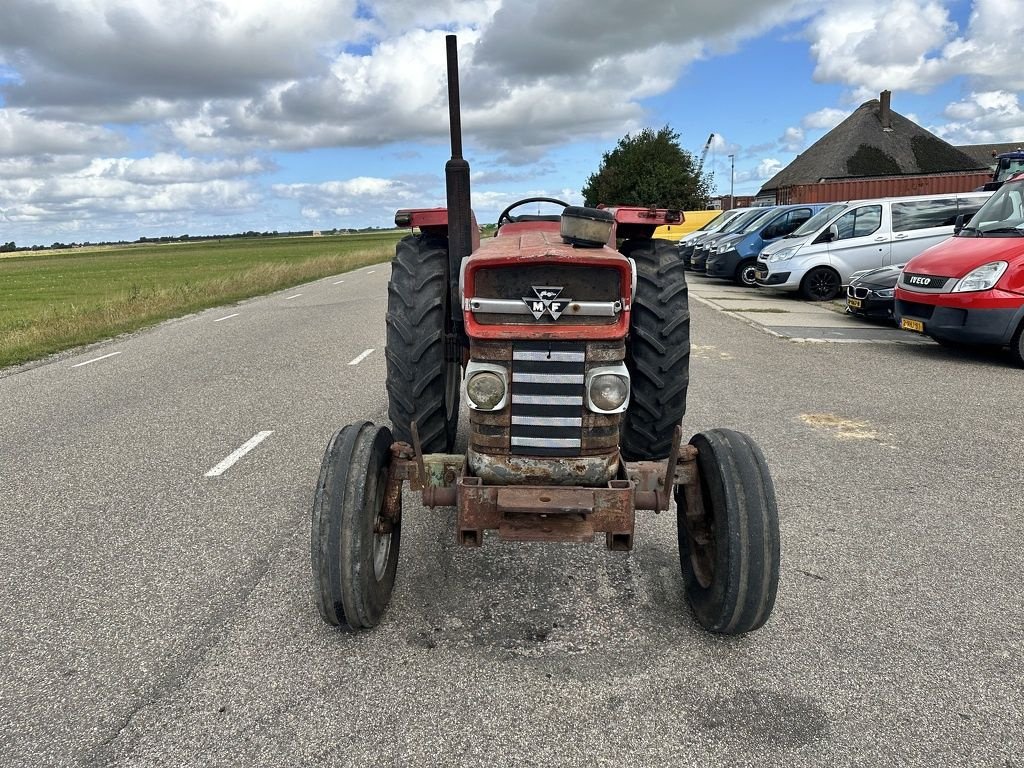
648 169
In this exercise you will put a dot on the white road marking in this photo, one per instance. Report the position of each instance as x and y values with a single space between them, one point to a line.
227 317
287 298
338 283
371 271
249 444
95 359
361 357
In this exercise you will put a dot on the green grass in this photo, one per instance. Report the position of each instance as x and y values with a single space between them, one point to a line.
54 301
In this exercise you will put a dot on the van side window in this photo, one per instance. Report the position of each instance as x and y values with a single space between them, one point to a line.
859 222
923 214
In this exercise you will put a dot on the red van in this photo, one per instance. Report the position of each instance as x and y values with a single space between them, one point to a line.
970 288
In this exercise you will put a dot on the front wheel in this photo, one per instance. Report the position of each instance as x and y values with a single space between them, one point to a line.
820 284
354 537
1017 346
745 273
729 534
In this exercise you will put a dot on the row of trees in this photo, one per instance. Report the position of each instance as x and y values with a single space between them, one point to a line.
649 168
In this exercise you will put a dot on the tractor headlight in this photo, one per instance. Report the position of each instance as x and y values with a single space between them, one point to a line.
486 386
608 389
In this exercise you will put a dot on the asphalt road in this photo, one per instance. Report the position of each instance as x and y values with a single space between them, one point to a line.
154 614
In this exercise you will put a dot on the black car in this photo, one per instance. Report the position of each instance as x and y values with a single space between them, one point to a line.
870 292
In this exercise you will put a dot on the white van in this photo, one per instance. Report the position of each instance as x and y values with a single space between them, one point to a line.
818 259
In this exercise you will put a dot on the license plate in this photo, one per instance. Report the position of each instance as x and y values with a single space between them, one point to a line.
855 303
761 274
911 325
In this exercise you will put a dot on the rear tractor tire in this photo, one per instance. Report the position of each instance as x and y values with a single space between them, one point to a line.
729 548
354 550
658 353
424 379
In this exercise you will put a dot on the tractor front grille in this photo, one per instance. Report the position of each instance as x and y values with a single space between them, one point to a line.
594 294
547 398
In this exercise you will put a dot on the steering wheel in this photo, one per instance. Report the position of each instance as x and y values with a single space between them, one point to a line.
505 218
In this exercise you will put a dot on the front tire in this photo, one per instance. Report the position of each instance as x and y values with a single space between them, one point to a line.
658 355
729 548
1017 346
821 284
745 273
423 383
354 550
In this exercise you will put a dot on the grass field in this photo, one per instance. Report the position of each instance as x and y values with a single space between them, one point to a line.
54 301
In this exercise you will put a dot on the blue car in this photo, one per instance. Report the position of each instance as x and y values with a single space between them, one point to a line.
744 222
734 256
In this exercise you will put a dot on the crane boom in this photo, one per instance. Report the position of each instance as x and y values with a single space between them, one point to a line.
704 153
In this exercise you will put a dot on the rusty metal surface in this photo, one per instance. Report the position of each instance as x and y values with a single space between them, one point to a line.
894 186
545 514
503 469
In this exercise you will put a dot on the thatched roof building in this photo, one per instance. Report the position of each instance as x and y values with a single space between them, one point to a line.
873 141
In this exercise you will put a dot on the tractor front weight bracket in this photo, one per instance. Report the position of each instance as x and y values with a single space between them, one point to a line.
542 512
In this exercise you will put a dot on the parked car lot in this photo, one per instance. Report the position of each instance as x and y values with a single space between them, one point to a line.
863 235
734 256
746 222
688 242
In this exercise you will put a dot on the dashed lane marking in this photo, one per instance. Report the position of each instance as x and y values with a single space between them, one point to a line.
95 360
247 446
359 358
227 317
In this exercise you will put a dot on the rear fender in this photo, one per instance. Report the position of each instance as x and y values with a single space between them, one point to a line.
432 221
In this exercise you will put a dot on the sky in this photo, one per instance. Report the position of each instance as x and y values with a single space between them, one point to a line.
122 119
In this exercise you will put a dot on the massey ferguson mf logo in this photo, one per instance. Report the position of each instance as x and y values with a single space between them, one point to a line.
546 302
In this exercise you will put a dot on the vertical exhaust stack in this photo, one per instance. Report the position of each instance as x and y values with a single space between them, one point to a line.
456 173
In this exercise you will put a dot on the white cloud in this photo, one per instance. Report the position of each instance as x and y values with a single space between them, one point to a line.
22 135
792 140
987 117
824 119
856 44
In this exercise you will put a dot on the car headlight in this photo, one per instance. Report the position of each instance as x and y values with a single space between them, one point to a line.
886 293
608 389
783 254
486 386
982 278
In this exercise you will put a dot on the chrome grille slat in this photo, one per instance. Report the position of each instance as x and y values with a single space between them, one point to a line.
547 398
547 378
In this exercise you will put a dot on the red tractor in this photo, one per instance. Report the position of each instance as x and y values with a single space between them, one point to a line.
572 334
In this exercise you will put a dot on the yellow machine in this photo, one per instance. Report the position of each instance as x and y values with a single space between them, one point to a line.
692 220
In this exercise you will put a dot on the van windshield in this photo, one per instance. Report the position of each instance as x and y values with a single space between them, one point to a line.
741 220
817 221
718 222
757 221
1001 215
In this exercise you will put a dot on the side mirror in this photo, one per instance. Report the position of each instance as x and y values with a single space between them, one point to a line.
830 234
959 225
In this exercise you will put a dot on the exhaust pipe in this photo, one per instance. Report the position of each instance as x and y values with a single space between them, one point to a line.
456 174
